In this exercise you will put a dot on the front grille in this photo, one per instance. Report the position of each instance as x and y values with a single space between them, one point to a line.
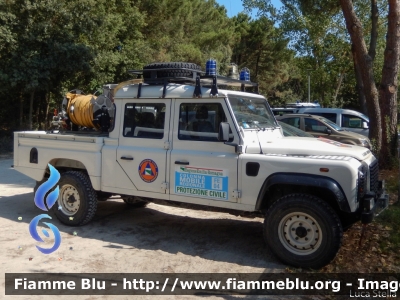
373 176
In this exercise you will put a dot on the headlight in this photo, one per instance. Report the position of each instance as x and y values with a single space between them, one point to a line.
365 143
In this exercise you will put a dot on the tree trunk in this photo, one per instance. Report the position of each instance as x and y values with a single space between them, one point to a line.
388 87
339 84
257 63
31 110
47 118
21 112
360 86
37 113
364 62
374 29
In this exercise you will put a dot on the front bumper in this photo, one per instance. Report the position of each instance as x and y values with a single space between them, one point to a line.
373 205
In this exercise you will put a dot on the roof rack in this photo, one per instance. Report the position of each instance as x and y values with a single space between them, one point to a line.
198 78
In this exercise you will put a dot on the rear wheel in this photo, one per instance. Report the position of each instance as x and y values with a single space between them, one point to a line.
303 231
77 201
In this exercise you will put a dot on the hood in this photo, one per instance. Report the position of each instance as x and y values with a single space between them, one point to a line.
307 146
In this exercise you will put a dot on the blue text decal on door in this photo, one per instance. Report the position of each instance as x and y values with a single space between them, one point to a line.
201 182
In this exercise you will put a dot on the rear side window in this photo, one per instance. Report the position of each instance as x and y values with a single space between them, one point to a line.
295 122
200 121
351 121
329 116
144 121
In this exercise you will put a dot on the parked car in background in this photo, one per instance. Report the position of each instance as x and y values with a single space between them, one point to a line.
350 120
322 127
289 130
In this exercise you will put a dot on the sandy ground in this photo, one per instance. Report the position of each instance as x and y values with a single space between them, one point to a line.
155 239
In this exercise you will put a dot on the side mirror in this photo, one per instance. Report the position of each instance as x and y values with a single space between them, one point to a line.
328 131
365 125
223 133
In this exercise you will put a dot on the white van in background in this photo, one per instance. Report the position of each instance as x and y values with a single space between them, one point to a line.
299 104
350 120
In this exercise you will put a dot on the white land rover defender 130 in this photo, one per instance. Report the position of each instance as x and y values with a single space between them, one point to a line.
178 135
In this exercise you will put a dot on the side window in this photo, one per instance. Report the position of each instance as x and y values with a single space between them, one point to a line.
295 122
351 121
329 116
314 125
144 120
200 121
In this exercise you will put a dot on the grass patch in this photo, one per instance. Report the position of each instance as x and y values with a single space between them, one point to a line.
390 219
391 178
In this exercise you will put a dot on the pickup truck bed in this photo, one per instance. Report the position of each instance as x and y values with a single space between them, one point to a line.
58 149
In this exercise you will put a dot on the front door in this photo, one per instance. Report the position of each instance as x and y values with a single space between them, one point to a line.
142 151
354 124
202 168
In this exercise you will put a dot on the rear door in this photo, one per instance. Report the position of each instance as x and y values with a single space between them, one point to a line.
142 150
203 170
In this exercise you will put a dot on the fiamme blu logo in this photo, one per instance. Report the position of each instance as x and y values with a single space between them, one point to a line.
40 202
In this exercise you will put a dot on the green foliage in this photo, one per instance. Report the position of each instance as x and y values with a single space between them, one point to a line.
48 47
188 31
31 62
317 33
261 48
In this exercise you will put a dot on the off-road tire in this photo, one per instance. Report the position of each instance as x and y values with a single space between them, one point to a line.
77 185
134 202
303 231
170 73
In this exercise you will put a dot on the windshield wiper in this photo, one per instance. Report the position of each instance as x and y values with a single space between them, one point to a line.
269 124
251 122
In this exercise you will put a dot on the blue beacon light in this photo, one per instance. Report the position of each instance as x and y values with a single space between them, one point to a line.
211 67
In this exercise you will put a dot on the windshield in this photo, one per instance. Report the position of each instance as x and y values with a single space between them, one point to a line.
330 123
252 112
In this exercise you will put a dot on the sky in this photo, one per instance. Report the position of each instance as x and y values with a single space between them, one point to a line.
235 6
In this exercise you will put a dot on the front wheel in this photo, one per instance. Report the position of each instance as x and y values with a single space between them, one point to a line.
303 231
77 200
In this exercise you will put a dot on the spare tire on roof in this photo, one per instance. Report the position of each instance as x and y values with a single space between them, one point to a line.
170 73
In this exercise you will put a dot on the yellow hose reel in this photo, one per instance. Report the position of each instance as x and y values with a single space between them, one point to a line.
86 110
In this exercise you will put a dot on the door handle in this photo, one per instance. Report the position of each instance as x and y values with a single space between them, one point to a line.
126 158
178 162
